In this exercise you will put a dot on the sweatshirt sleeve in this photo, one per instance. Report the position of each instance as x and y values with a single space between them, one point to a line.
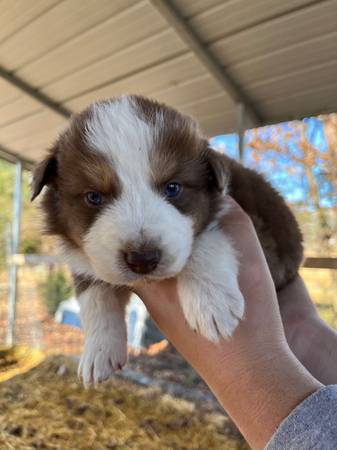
311 425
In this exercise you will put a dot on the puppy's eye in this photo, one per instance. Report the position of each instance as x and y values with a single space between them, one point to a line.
94 198
172 189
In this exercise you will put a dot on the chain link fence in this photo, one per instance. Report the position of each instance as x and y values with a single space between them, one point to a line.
45 301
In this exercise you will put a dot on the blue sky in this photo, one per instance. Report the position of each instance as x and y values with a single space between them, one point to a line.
276 167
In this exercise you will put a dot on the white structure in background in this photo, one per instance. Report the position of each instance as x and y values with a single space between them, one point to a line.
136 317
68 313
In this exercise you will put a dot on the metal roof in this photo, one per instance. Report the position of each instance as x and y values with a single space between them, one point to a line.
278 58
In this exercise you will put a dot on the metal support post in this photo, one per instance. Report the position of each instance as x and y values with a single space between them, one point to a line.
241 129
15 242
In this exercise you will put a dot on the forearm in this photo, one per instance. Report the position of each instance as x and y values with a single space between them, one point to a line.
315 344
257 383
313 341
264 393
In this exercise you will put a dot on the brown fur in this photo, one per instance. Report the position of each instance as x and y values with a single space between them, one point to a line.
76 170
195 174
276 226
180 154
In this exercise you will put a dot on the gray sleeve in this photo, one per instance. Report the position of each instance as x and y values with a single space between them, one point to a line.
312 425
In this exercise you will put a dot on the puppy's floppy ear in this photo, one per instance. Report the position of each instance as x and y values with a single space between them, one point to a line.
44 173
218 169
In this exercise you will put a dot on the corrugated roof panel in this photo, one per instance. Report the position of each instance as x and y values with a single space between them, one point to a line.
8 92
39 154
301 104
18 109
16 14
303 55
309 79
120 31
59 24
274 35
233 16
219 124
209 106
31 145
283 55
171 73
138 57
200 87
31 125
189 8
35 154
43 136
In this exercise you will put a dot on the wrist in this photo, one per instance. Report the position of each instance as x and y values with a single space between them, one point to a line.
259 391
295 304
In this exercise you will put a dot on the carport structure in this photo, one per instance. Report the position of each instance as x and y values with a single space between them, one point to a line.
230 63
278 59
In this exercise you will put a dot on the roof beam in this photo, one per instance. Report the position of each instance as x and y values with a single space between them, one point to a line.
13 158
34 93
38 96
206 57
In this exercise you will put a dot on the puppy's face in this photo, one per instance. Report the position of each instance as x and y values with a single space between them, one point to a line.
130 183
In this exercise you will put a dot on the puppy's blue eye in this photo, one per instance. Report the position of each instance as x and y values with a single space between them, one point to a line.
172 189
94 198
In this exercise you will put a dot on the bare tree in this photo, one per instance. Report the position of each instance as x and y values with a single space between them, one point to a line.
317 163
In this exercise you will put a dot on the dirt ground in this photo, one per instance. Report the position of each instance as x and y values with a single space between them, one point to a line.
47 408
162 366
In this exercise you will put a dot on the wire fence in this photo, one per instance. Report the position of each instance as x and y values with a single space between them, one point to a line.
37 328
34 325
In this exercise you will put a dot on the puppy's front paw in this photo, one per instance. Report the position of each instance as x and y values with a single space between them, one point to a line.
208 286
102 356
222 317
213 311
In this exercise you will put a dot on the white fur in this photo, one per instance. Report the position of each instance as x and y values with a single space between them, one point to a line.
76 259
102 316
140 214
116 131
133 219
208 288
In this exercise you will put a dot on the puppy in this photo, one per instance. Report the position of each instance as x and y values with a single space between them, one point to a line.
134 192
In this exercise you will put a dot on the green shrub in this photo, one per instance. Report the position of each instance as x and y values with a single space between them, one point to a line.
31 245
55 289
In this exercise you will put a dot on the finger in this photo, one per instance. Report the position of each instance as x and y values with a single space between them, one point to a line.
234 216
237 224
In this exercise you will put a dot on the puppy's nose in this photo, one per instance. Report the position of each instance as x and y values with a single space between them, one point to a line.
143 262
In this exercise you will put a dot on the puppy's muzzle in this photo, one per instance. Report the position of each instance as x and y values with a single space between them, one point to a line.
142 262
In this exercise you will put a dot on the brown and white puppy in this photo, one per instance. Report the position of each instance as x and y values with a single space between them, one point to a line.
134 191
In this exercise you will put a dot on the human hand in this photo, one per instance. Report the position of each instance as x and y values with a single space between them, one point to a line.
254 374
